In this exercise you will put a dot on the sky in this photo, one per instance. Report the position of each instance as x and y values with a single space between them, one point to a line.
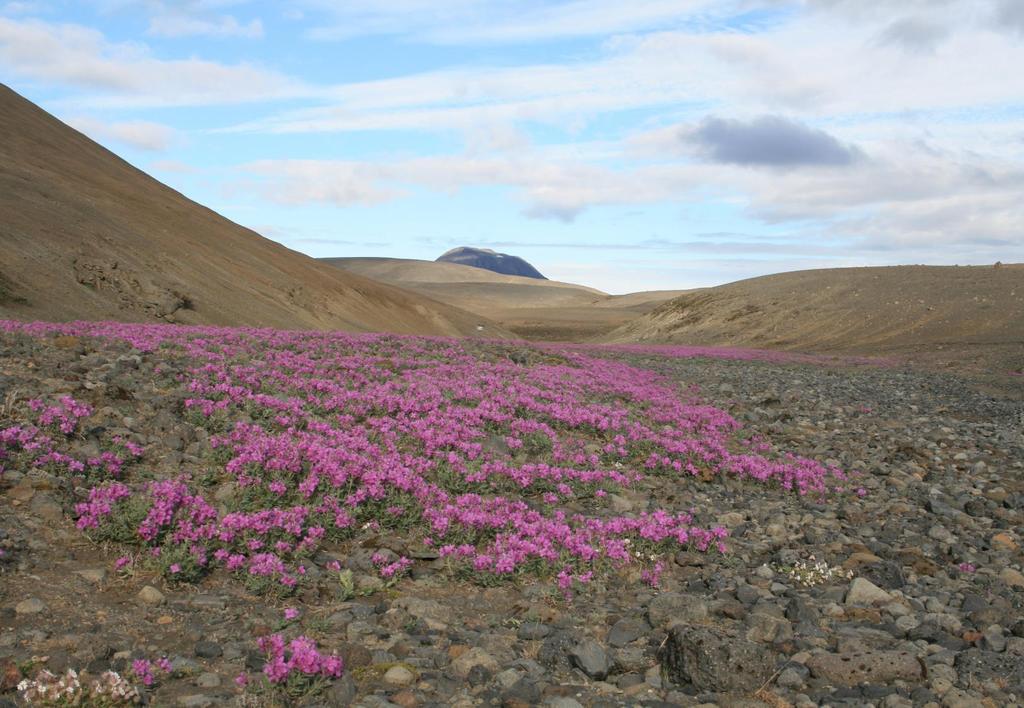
650 144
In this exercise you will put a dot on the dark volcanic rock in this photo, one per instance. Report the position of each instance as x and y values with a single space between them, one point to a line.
711 659
492 261
976 667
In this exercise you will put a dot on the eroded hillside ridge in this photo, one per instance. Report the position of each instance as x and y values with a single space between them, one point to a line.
241 516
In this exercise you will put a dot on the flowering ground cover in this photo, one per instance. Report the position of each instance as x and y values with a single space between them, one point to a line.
502 467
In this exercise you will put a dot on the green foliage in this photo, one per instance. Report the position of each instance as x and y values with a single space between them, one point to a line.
346 585
122 526
178 565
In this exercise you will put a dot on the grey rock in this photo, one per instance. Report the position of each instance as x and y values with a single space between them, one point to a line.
208 679
533 631
591 658
197 700
151 596
863 592
479 675
763 627
554 652
31 606
1013 578
800 610
507 679
206 649
523 692
474 657
399 676
562 702
632 658
627 630
993 639
748 594
792 678
93 575
884 574
851 668
672 607
342 691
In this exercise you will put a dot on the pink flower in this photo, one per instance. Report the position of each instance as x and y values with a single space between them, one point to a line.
144 671
290 613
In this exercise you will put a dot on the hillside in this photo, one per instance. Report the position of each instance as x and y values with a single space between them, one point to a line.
961 313
490 260
532 308
85 235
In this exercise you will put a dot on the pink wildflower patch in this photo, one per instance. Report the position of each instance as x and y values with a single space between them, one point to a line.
329 436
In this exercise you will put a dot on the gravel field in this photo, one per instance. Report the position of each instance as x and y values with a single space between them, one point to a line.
909 593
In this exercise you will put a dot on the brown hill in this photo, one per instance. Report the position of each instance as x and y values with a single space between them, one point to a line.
953 313
530 307
85 235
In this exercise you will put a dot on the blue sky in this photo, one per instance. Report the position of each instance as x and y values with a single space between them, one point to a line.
627 146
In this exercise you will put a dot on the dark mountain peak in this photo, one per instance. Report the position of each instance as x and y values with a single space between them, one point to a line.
491 260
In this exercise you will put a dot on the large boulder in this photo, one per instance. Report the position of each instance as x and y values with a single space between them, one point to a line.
874 667
714 660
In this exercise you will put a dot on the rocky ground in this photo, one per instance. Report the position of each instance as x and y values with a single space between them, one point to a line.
919 601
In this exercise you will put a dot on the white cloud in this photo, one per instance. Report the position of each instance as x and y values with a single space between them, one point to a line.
127 74
142 135
545 188
20 8
178 25
914 197
497 21
187 18
816 66
293 182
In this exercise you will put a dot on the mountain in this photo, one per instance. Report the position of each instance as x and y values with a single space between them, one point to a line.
490 260
85 235
942 313
532 308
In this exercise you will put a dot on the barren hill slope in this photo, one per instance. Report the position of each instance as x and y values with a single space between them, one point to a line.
962 310
85 235
531 307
